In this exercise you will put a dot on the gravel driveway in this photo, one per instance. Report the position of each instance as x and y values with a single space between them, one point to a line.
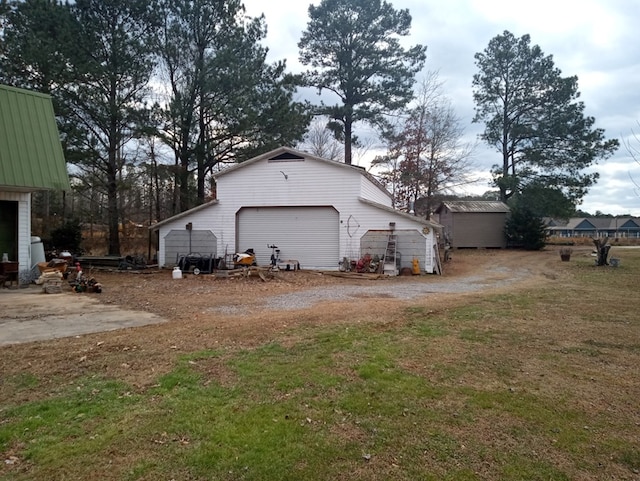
493 277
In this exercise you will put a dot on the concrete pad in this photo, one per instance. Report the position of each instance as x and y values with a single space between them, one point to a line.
27 314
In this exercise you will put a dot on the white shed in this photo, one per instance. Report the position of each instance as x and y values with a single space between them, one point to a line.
31 159
315 210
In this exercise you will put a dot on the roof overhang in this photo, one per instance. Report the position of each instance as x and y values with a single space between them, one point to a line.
31 154
179 216
404 215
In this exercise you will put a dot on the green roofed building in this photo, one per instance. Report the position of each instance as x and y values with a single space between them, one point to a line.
31 159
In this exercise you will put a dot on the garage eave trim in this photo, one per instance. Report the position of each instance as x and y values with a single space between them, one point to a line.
413 218
179 216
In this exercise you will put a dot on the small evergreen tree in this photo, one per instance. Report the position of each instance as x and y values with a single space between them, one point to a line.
524 228
67 237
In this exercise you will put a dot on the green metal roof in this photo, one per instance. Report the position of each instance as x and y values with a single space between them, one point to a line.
31 156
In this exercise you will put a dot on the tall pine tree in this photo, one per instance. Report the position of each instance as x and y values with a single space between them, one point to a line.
112 68
533 118
225 103
353 47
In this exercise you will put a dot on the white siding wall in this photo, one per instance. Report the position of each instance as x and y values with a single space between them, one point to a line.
307 183
204 219
24 229
372 192
371 218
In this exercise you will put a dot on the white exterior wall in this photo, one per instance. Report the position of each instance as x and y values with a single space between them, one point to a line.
24 229
371 218
204 219
294 183
372 192
308 182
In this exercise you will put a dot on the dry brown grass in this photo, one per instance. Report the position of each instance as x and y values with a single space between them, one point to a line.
544 368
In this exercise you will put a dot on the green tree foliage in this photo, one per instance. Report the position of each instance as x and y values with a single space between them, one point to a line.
524 228
112 67
533 118
225 102
546 201
529 206
67 237
95 58
353 47
36 43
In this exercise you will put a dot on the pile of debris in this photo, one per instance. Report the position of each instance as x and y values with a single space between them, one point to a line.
83 283
51 275
86 284
51 281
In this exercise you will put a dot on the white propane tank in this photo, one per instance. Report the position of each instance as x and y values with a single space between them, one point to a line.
177 273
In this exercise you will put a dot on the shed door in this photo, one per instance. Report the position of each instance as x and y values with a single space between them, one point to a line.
9 229
182 242
309 235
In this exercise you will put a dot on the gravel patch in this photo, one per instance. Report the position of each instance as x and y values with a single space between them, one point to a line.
494 277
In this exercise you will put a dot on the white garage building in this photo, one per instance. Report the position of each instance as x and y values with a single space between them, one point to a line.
315 210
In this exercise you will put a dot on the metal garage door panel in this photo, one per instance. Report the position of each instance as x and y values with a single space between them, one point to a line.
309 235
182 242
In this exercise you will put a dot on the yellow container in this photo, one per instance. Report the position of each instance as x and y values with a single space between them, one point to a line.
415 267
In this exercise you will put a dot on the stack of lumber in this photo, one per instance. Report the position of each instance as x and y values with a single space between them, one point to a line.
264 273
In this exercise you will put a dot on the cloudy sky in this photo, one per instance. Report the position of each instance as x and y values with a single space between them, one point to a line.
597 40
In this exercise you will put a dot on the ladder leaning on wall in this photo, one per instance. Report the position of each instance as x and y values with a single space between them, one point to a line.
389 262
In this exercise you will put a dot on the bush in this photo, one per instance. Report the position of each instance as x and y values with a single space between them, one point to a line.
525 229
67 237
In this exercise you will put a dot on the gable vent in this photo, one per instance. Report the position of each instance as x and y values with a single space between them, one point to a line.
286 157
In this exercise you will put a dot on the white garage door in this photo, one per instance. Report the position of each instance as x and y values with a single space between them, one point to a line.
309 235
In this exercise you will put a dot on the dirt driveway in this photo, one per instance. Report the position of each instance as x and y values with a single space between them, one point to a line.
205 313
245 305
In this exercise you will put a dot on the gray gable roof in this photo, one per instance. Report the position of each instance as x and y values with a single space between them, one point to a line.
594 223
484 206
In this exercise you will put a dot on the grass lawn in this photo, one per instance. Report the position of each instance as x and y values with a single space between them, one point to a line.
537 384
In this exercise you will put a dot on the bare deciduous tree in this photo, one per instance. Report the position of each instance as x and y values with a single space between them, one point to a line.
321 142
633 147
427 156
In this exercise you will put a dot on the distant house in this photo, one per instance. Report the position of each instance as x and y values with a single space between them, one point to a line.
594 227
31 159
318 212
473 224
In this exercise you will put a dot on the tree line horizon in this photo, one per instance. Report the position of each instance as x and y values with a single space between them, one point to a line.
153 97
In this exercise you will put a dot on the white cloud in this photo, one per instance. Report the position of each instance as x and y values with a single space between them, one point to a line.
593 39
